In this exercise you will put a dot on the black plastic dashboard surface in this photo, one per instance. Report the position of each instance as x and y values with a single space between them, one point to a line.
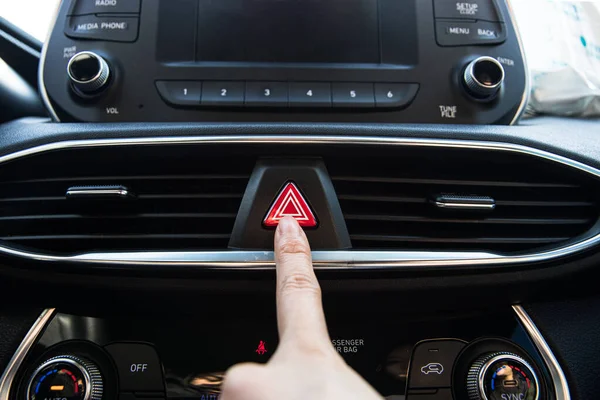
572 138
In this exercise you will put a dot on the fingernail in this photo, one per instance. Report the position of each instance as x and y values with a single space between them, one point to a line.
288 226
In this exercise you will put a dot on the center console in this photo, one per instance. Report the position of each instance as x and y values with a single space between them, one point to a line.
432 61
471 356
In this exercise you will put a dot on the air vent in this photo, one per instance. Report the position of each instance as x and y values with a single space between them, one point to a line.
510 203
177 202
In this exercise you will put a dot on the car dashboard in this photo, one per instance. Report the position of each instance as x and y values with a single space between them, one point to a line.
452 238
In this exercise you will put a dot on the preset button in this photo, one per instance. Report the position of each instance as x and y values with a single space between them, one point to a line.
353 95
226 93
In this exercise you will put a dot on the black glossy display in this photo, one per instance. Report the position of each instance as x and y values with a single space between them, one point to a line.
309 31
59 380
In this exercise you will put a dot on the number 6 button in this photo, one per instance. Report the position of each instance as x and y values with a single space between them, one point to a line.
222 94
269 94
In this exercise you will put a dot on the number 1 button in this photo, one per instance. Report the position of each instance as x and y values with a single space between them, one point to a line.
222 94
310 94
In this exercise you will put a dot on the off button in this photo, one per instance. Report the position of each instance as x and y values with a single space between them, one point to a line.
138 366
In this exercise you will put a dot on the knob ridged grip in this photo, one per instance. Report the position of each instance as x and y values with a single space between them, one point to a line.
88 72
483 77
94 384
478 376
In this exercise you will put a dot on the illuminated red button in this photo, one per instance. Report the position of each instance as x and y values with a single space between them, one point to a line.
290 203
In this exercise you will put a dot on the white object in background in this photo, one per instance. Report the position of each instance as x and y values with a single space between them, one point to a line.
562 46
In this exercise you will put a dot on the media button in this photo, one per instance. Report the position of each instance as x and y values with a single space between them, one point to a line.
181 93
353 95
310 94
270 94
395 94
110 29
228 93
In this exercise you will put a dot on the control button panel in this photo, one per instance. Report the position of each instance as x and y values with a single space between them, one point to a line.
353 95
83 7
434 394
287 94
432 362
223 93
183 93
310 94
482 10
138 367
105 28
469 33
394 94
267 94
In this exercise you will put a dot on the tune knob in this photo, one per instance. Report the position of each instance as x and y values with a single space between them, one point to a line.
89 73
483 78
502 376
66 378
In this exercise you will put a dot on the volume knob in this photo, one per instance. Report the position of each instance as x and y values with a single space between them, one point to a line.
89 73
66 377
483 78
502 376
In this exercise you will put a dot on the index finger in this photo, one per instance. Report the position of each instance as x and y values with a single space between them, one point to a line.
300 316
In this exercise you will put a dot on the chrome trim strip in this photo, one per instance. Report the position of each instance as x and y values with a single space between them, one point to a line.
561 386
91 192
14 364
464 206
41 83
527 91
322 259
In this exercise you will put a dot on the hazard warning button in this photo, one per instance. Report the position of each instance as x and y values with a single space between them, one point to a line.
290 203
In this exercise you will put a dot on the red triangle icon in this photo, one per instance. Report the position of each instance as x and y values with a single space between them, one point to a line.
290 203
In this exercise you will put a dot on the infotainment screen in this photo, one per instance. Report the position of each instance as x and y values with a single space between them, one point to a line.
322 31
290 31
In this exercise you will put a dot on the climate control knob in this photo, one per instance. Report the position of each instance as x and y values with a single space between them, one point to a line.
66 378
502 376
89 73
483 78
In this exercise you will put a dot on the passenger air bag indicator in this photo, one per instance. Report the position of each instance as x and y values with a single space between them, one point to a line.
290 203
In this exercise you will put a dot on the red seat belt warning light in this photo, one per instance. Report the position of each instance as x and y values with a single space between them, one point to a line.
290 203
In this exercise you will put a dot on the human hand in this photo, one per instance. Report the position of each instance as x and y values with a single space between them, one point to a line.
305 365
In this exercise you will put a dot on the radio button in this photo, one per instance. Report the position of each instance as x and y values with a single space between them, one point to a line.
181 93
310 94
467 9
462 33
82 7
270 94
353 95
229 93
395 94
110 29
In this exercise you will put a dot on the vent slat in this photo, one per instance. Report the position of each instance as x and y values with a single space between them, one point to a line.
169 236
499 221
450 182
117 178
126 216
420 239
